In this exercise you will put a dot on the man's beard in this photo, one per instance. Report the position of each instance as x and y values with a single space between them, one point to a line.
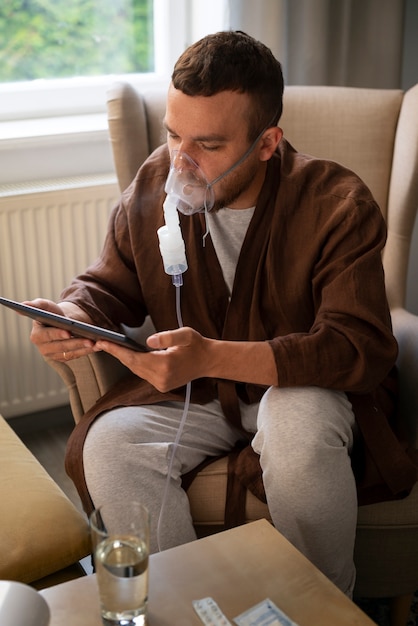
236 183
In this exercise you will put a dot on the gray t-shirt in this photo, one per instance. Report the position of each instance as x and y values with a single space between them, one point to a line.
228 228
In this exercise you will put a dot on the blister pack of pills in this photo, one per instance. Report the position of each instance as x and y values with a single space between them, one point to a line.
210 613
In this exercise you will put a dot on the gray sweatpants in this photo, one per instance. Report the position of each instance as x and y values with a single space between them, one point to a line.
303 435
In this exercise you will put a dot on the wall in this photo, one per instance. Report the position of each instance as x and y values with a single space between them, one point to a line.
409 78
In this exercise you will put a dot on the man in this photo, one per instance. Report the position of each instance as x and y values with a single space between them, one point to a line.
283 305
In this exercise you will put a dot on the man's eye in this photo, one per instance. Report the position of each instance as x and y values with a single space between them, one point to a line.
210 147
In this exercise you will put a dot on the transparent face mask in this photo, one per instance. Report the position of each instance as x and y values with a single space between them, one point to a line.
188 185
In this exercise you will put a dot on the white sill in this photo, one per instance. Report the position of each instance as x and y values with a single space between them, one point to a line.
51 129
55 147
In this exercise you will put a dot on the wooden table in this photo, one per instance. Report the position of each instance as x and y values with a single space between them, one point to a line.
237 568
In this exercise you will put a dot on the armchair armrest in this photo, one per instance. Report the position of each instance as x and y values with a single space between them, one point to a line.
88 378
405 327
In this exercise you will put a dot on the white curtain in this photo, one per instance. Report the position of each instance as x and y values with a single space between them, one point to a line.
328 42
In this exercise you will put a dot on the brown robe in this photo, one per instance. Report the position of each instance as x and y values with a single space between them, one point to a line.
309 280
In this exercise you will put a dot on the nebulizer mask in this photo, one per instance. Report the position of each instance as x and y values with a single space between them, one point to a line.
187 184
189 192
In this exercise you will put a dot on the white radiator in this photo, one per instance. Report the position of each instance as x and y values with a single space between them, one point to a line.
49 232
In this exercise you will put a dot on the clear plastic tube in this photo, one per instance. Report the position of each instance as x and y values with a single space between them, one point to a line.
179 430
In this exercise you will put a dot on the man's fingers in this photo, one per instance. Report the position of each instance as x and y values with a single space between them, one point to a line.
170 338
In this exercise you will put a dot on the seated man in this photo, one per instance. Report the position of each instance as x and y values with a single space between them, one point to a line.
283 317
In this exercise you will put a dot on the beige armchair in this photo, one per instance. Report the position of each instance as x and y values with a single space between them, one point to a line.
375 133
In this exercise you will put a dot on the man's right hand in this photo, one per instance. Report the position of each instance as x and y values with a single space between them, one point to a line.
54 343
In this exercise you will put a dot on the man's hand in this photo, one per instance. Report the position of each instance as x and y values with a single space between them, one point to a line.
54 343
180 356
176 357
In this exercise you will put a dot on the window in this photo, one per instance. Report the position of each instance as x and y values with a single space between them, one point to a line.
46 39
59 56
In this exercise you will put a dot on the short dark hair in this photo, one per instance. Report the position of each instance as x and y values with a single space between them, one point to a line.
233 61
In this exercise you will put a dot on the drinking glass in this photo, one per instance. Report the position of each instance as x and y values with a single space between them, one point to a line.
120 538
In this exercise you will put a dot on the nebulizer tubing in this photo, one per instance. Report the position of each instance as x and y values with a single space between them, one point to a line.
178 434
175 264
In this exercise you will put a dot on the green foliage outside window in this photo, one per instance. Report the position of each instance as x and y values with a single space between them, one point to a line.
66 38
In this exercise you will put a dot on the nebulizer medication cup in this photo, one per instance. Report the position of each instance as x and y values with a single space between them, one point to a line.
171 243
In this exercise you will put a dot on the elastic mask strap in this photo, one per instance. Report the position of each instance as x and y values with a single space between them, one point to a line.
245 155
237 163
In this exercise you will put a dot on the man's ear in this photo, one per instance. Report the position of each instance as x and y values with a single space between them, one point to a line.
270 141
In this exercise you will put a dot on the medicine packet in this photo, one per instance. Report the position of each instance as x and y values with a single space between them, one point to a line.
266 613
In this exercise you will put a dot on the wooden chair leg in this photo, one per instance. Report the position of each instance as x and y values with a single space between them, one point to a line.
399 609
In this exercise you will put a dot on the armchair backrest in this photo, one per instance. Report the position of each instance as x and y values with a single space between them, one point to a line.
374 132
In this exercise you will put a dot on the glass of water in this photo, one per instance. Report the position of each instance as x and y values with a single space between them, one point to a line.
120 539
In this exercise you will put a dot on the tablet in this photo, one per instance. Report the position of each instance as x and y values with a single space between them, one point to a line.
76 328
